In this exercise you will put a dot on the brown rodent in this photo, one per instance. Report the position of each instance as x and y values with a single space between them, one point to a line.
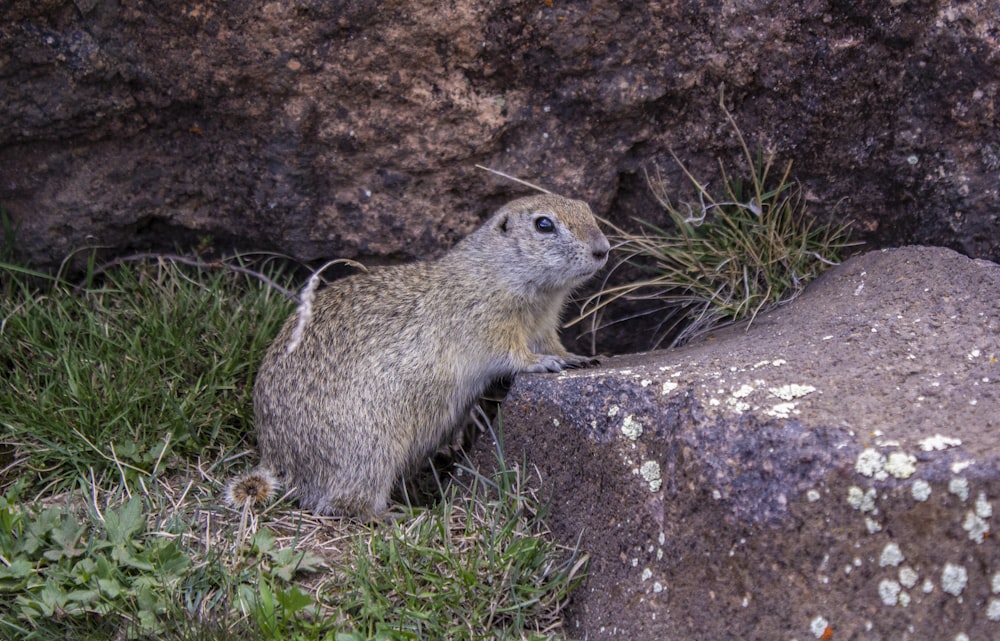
389 362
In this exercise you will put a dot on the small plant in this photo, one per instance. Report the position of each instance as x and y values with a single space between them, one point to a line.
61 567
727 257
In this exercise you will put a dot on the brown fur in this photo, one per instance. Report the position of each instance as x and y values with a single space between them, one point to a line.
391 360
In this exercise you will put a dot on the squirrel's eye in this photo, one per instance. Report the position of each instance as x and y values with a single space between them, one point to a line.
545 225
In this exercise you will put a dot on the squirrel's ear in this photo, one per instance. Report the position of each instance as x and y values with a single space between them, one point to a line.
502 224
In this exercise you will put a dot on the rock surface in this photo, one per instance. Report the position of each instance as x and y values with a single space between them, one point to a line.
836 466
350 129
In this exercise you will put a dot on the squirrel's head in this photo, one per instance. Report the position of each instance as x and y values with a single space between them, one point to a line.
543 243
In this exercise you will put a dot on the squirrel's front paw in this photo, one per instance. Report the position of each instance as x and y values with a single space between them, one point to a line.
547 363
553 363
574 361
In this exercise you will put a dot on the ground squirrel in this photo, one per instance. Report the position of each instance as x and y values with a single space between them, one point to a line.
389 362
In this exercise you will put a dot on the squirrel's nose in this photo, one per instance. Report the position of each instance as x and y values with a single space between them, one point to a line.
600 248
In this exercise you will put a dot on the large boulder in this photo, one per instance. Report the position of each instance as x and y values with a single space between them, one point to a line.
351 129
830 472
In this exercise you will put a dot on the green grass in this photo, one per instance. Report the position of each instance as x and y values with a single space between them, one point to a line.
126 407
468 569
119 377
731 255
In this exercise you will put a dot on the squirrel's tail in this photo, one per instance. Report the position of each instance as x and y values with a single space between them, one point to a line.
251 489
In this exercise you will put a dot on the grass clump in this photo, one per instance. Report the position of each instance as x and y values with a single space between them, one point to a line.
126 408
478 566
729 256
121 375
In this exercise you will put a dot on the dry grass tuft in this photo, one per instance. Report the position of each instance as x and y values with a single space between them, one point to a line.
725 258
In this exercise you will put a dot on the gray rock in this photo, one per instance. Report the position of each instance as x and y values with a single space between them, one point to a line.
352 128
835 465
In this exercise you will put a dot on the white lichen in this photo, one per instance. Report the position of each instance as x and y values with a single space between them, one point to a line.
984 509
631 428
812 496
908 577
891 555
888 591
647 574
870 463
954 579
736 399
959 487
781 410
938 442
861 500
657 587
791 391
921 490
872 525
818 626
993 610
613 411
960 466
901 465
650 471
977 527
995 583
668 387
